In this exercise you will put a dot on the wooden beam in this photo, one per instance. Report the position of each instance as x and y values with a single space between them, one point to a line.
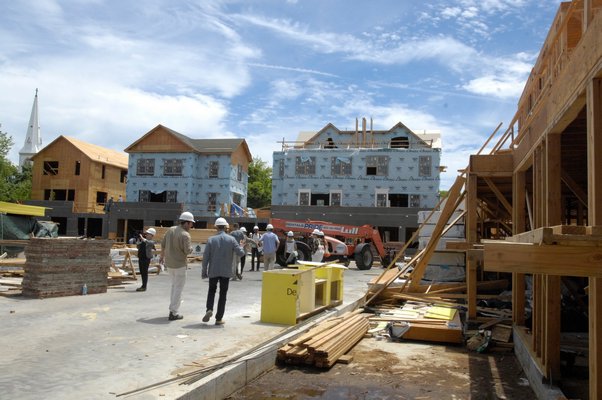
518 226
552 326
594 197
574 187
492 165
499 195
553 182
543 259
453 196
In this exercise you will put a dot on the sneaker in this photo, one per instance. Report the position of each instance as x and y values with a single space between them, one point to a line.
207 316
141 289
174 317
239 276
220 322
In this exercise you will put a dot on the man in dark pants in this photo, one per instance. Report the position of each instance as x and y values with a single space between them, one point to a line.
254 240
145 254
219 252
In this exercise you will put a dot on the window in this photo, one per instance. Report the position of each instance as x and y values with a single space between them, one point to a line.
101 197
77 167
341 166
335 197
171 196
172 167
281 168
51 167
381 198
400 142
239 173
213 169
424 165
103 172
414 200
211 201
305 165
145 166
304 197
236 198
59 194
144 196
377 165
123 176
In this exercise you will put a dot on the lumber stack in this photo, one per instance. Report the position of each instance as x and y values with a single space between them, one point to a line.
324 344
61 266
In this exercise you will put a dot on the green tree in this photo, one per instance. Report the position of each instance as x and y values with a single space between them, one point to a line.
15 184
259 191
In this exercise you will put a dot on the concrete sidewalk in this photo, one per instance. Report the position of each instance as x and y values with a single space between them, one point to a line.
98 346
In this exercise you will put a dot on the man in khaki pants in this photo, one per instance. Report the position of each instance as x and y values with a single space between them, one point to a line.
175 248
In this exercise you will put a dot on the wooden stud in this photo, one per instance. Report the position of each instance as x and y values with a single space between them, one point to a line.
594 196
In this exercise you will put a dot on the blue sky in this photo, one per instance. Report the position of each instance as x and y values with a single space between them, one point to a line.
109 71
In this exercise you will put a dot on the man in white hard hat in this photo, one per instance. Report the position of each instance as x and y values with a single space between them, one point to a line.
290 249
219 252
270 243
175 248
240 237
145 254
255 248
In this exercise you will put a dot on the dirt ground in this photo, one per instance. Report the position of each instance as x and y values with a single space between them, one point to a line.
398 370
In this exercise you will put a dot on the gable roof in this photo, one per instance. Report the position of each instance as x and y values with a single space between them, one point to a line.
93 152
309 137
201 146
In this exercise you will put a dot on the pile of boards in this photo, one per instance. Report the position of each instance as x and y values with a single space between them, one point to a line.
421 321
324 344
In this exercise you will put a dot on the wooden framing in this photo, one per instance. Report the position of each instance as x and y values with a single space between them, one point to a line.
556 179
83 171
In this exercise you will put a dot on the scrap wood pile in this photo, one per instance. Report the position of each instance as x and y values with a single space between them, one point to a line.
324 344
419 321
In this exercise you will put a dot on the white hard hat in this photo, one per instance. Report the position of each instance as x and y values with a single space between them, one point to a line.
255 228
186 216
315 232
320 233
290 234
243 229
269 227
221 222
152 231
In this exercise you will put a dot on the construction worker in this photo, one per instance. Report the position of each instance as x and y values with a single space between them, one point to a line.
290 249
255 248
320 247
245 246
270 243
219 252
240 236
175 248
145 254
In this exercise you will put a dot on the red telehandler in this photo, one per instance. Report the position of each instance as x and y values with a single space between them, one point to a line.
360 243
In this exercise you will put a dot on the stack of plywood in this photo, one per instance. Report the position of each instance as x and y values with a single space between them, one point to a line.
62 266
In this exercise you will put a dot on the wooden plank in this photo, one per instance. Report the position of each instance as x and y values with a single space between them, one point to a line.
552 326
498 195
543 259
594 198
492 165
454 195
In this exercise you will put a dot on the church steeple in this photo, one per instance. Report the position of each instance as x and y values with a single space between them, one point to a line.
33 139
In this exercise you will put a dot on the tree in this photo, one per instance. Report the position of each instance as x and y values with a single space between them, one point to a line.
259 192
15 184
